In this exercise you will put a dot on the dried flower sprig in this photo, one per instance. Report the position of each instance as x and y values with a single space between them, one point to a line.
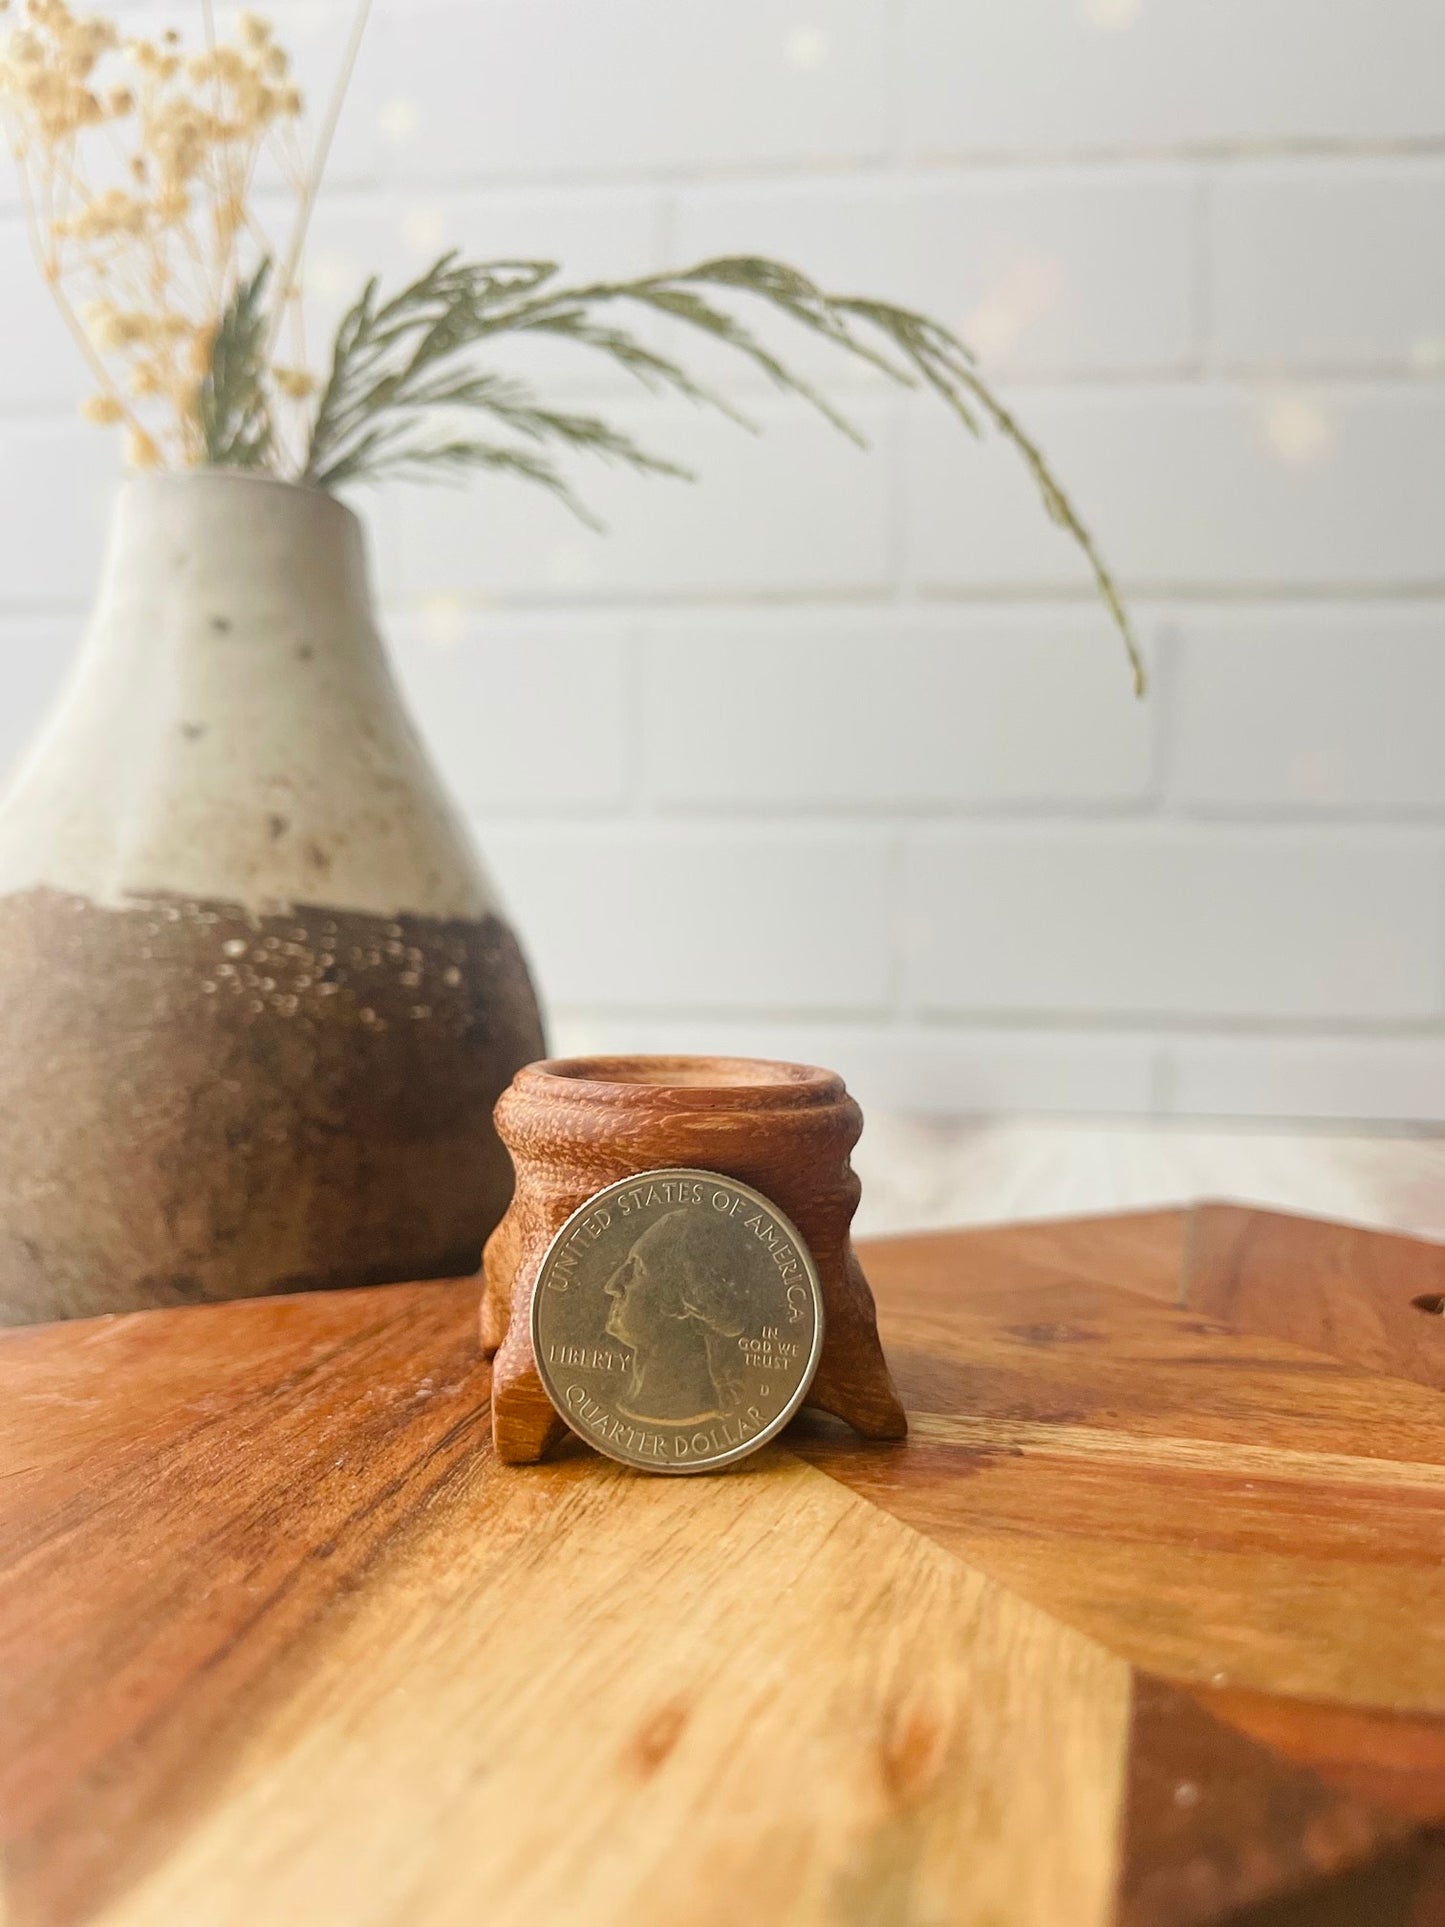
165 280
143 266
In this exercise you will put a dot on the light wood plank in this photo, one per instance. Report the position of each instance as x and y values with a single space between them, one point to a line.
1098 1445
660 1702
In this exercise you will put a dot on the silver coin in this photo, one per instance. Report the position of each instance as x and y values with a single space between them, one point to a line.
677 1321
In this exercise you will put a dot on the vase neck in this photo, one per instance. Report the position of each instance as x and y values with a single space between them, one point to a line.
213 552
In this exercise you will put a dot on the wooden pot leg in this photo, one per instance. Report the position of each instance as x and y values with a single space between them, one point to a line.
525 1424
853 1381
501 1258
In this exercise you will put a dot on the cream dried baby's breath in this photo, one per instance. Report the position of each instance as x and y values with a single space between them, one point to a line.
141 451
143 272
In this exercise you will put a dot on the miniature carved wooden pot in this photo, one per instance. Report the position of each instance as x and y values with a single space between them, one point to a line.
573 1125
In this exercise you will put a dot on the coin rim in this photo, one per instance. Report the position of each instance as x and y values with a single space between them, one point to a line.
810 1268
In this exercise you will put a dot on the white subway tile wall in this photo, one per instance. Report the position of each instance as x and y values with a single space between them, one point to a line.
832 755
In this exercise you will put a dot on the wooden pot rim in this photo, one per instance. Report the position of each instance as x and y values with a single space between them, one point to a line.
682 1082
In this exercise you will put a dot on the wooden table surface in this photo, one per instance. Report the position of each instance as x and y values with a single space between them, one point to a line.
1143 1624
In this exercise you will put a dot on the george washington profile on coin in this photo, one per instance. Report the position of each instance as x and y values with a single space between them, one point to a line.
678 1307
677 1320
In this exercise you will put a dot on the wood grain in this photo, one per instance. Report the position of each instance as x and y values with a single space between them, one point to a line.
1216 1823
983 1751
1141 1249
282 1640
1217 1507
186 1501
1364 1296
1393 1761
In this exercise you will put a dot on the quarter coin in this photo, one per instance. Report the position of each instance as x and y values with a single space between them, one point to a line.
677 1321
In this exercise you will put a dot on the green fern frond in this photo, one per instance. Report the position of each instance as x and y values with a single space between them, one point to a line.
231 406
399 364
382 455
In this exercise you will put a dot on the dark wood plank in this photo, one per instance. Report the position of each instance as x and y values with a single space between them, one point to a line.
1216 1823
186 1492
1365 1296
1394 1761
1139 1251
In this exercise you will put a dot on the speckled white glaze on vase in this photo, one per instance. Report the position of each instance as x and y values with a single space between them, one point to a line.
257 997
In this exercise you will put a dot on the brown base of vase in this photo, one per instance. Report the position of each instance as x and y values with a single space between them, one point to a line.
197 1104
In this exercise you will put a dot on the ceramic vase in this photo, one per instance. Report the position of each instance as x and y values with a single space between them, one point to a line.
257 997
